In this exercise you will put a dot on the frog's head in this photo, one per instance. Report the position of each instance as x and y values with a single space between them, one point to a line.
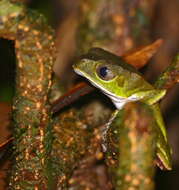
105 71
120 81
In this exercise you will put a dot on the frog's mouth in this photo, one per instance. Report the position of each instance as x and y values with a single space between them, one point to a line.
118 101
94 83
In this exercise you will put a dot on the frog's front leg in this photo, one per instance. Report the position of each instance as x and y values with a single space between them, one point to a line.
106 128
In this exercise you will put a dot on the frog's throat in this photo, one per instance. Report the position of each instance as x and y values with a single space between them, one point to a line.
118 101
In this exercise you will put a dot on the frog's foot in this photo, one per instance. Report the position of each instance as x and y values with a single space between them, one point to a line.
105 130
163 159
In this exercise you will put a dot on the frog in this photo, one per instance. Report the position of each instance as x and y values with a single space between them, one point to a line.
123 83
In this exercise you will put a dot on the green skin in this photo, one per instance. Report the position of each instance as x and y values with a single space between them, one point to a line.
122 83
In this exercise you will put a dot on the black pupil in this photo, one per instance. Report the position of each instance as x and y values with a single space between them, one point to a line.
103 71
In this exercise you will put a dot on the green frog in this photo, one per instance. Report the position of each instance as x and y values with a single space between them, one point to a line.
122 83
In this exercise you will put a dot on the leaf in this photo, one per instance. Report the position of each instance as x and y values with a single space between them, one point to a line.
140 57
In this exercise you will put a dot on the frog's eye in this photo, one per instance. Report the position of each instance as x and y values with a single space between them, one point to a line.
105 73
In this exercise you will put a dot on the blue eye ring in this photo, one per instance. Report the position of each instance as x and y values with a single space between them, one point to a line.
105 73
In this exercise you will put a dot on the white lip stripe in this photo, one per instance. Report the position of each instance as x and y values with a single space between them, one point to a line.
119 105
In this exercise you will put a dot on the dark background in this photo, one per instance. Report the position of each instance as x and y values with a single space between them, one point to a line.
164 24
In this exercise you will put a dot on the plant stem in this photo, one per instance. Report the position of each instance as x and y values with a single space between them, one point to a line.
34 46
